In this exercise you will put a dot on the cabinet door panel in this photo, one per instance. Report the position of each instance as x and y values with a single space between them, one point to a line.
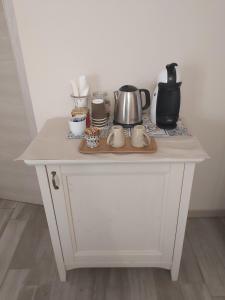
112 215
121 214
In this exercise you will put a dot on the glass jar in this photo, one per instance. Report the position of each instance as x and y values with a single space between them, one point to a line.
80 101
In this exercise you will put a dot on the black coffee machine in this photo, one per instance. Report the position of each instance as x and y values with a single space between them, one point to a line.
165 105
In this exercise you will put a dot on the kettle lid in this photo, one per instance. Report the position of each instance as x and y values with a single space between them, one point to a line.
128 88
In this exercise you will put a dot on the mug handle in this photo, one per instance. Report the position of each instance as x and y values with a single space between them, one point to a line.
147 139
109 138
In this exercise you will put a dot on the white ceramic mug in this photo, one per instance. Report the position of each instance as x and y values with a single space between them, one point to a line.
139 137
116 137
77 128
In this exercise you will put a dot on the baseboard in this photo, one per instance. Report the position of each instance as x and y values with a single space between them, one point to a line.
206 213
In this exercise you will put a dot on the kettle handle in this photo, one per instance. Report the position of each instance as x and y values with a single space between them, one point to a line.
147 97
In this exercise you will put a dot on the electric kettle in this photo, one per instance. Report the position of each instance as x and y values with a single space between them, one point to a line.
128 105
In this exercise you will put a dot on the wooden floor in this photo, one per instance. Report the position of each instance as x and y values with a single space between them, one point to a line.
28 270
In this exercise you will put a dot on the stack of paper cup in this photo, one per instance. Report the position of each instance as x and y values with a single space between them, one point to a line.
99 116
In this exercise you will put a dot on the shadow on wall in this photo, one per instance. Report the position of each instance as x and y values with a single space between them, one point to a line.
201 109
193 91
209 180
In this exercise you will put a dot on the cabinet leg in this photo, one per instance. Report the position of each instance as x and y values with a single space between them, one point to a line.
62 275
174 273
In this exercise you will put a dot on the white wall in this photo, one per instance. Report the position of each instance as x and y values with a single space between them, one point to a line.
117 42
17 181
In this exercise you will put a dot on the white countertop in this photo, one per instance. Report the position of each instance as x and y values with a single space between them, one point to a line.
52 146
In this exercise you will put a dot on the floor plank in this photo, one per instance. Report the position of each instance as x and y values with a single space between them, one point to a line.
27 293
100 283
43 292
44 270
13 284
215 229
74 288
197 291
8 244
141 284
189 268
25 254
18 210
116 285
7 203
165 288
4 218
63 290
209 261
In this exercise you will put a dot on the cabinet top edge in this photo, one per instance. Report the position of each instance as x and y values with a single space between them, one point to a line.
107 162
51 146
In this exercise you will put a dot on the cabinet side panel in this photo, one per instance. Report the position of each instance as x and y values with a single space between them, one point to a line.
171 209
50 214
182 217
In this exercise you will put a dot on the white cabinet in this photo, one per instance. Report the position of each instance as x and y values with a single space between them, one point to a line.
114 210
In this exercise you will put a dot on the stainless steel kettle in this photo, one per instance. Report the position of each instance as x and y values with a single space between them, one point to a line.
128 105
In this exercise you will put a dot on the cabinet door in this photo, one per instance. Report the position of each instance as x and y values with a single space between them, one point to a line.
118 214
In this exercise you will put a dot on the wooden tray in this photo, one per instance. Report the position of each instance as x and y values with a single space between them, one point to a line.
128 148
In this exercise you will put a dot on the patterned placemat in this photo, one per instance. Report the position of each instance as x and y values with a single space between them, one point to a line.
151 129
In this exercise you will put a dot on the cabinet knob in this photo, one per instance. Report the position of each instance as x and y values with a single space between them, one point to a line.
56 187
